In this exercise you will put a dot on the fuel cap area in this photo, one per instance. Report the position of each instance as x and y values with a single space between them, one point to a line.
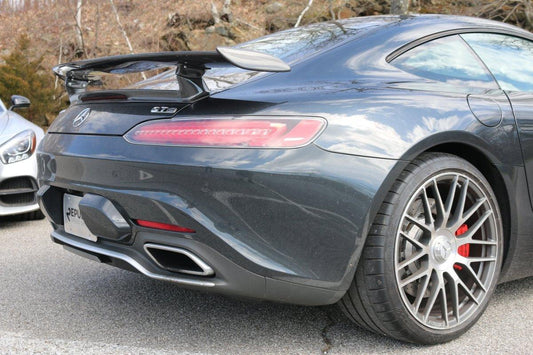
486 110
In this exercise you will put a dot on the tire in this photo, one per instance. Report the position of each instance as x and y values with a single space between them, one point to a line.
429 265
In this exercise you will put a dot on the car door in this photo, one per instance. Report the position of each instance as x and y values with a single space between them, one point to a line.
510 59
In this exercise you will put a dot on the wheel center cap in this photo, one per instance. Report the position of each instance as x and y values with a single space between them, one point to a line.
442 249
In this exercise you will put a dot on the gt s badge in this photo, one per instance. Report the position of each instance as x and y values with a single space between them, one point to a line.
81 117
163 109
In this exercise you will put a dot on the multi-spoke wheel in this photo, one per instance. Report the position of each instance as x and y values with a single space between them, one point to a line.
433 256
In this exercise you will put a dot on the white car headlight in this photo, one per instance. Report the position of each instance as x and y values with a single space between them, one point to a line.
18 148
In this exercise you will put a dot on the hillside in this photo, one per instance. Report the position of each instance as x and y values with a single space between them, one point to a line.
107 26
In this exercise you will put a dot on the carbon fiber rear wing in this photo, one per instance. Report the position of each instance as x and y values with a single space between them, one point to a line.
190 67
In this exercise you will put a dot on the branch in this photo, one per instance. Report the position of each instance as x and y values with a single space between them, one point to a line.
528 10
59 60
248 24
214 12
331 12
60 56
77 18
120 26
303 13
123 31
96 29
511 12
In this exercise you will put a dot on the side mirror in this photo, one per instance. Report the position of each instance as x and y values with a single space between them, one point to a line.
18 101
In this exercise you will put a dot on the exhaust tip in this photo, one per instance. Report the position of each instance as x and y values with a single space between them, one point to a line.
177 260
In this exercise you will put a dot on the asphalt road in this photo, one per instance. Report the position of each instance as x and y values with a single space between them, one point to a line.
52 301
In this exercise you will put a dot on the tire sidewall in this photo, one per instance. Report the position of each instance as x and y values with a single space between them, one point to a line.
414 180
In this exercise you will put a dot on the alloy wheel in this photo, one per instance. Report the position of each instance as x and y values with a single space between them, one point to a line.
446 250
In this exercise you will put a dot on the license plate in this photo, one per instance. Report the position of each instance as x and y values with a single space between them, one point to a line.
74 223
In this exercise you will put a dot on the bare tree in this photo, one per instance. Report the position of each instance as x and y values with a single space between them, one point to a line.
60 54
214 12
399 7
96 29
303 13
117 17
81 44
518 12
330 8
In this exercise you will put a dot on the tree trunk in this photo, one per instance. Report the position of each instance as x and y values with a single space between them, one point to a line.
96 29
121 28
303 13
399 7
214 12
81 44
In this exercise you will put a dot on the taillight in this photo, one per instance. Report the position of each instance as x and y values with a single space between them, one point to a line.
164 226
241 132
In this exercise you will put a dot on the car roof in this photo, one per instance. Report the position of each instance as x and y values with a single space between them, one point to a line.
391 32
365 53
392 35
427 23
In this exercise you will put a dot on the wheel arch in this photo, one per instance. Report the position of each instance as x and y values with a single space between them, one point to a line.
493 175
472 150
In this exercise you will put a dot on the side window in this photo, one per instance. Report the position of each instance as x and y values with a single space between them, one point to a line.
509 58
446 59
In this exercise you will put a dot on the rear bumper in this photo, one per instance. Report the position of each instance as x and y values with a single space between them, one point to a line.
229 278
282 225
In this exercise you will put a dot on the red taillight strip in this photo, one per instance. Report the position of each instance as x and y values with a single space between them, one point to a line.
164 226
241 132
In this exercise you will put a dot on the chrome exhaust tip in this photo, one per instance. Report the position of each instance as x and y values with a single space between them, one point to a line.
177 260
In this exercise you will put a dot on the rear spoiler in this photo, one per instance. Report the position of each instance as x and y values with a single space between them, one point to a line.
190 67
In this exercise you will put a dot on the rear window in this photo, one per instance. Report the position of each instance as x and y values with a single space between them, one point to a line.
295 45
299 43
291 46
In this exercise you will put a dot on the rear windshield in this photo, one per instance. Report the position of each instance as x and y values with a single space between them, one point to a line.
299 43
291 46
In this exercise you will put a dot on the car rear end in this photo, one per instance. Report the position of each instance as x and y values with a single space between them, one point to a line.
213 192
252 221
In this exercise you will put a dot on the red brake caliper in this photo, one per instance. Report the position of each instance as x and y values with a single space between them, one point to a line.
463 250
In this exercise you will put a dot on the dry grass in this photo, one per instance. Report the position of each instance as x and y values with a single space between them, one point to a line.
146 22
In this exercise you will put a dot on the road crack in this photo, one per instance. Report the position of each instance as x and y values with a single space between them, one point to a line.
327 341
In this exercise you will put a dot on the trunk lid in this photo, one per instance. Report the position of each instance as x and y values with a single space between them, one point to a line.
105 116
114 112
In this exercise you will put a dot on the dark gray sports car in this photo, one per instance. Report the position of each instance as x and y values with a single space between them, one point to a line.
381 163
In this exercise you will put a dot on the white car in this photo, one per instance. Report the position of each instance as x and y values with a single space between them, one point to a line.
18 163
